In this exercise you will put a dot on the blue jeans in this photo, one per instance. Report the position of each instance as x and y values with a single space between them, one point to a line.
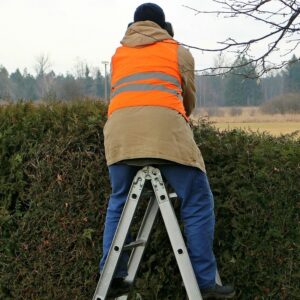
197 214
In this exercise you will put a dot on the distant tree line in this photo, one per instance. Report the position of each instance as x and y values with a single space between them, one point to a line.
240 87
49 86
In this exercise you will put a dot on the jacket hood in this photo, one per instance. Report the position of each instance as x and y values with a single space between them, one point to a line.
144 33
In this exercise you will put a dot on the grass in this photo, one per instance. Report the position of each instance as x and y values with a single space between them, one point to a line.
275 128
252 119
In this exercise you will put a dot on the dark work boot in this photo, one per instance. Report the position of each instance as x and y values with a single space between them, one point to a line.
118 288
218 292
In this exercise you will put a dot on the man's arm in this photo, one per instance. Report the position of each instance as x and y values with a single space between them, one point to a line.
186 68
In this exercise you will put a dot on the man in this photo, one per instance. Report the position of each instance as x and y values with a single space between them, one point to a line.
153 95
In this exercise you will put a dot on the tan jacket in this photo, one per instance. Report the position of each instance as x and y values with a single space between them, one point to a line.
152 131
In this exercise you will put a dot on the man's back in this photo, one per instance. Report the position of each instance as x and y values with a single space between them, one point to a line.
154 131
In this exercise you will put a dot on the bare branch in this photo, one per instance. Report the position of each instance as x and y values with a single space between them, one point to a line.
282 16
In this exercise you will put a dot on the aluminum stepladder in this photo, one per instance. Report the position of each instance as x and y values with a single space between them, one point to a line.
160 201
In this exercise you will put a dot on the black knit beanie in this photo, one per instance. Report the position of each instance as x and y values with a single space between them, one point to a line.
150 12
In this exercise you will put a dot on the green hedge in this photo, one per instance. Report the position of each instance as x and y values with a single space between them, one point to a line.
53 194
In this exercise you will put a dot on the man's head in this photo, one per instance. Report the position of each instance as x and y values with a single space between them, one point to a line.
150 12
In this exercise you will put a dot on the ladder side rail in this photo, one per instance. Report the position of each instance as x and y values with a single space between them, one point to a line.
175 235
120 237
143 234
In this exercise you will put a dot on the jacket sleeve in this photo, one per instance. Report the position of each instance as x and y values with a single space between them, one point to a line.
187 68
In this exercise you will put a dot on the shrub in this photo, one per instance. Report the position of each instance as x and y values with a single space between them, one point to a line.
287 103
252 112
214 111
53 195
235 111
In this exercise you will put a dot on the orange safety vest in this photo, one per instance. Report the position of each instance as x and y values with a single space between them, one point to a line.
147 76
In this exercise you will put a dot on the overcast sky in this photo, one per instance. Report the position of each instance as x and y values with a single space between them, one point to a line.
69 31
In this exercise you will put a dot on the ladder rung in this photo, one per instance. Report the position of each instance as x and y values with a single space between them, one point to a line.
172 195
149 193
134 245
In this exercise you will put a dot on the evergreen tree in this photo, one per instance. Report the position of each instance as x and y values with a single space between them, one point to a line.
30 91
69 88
88 83
5 86
99 81
293 75
272 86
241 87
17 83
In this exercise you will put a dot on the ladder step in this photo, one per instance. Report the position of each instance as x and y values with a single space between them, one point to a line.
149 193
134 244
172 195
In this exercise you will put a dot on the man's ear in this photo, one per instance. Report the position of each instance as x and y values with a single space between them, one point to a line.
169 29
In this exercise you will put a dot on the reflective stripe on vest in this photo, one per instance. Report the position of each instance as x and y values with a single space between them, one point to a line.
146 86
147 76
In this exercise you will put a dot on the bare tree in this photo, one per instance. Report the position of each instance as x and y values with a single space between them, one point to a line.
80 68
42 65
44 78
283 19
220 62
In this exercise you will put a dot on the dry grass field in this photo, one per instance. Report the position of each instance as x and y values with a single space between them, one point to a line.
252 119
